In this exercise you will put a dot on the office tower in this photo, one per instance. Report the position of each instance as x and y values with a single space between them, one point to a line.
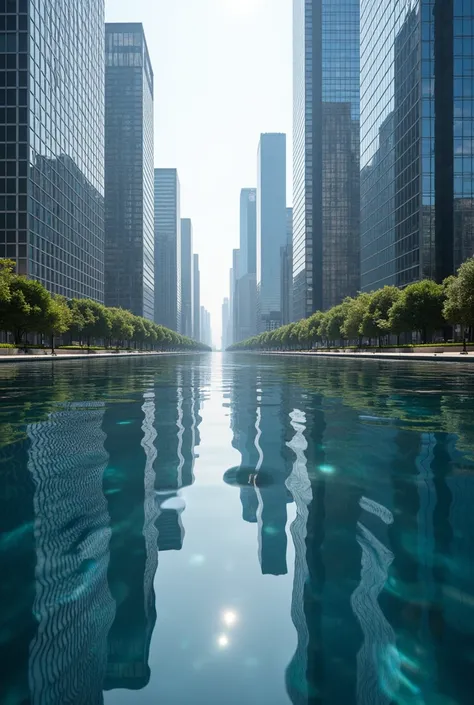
246 284
129 207
286 271
167 249
417 127
206 332
196 299
187 277
234 296
52 143
325 153
248 231
271 228
225 324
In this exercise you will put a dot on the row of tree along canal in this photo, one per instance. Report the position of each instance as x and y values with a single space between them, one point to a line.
27 309
423 308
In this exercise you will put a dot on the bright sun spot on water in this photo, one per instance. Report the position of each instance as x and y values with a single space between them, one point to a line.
229 618
326 469
223 641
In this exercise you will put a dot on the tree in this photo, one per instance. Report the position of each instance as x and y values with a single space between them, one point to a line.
335 318
58 319
7 268
419 308
314 324
376 319
356 309
459 303
96 318
26 310
122 325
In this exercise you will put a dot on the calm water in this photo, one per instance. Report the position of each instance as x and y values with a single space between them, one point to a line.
225 530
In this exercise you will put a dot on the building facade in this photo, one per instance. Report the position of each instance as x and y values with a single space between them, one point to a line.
326 190
196 299
206 332
246 284
52 143
417 138
271 227
286 275
167 249
129 208
187 278
225 324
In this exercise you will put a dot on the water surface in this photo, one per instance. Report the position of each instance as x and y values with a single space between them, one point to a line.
222 529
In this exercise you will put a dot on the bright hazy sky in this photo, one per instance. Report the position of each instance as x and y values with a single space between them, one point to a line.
223 75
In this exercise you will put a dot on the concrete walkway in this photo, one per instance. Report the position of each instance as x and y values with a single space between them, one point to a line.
426 357
81 356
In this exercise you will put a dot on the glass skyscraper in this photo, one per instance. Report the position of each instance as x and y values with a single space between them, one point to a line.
196 299
52 142
325 153
417 139
167 249
248 231
129 206
187 277
271 228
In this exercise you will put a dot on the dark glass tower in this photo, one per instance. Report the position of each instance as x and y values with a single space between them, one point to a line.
167 249
52 142
417 137
325 153
129 206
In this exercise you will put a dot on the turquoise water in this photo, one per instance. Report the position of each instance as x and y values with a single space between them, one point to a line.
236 530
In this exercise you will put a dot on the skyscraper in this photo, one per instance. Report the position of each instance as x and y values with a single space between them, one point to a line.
167 249
325 153
286 261
271 227
187 278
248 231
225 324
246 284
52 143
234 297
206 332
129 246
417 129
196 299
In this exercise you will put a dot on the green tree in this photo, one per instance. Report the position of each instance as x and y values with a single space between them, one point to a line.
26 310
7 268
58 319
122 325
96 319
376 320
419 308
356 309
459 304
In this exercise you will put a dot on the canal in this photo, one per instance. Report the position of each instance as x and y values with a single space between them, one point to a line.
236 530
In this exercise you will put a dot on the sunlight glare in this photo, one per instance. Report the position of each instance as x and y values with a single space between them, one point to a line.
223 641
230 618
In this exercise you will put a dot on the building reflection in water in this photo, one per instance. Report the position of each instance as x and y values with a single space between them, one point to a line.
129 489
73 606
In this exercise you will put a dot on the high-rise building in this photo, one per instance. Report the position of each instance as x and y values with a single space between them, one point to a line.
234 296
286 274
417 129
167 249
196 299
271 227
225 324
246 283
248 231
52 143
325 153
129 208
206 332
187 278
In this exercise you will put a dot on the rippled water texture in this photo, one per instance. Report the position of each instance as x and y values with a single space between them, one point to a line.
228 530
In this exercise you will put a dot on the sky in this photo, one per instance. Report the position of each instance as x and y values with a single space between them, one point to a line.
223 75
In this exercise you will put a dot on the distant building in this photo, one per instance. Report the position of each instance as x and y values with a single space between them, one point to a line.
246 284
206 332
52 144
286 271
234 297
225 324
271 228
167 249
187 278
417 169
326 263
129 209
196 299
